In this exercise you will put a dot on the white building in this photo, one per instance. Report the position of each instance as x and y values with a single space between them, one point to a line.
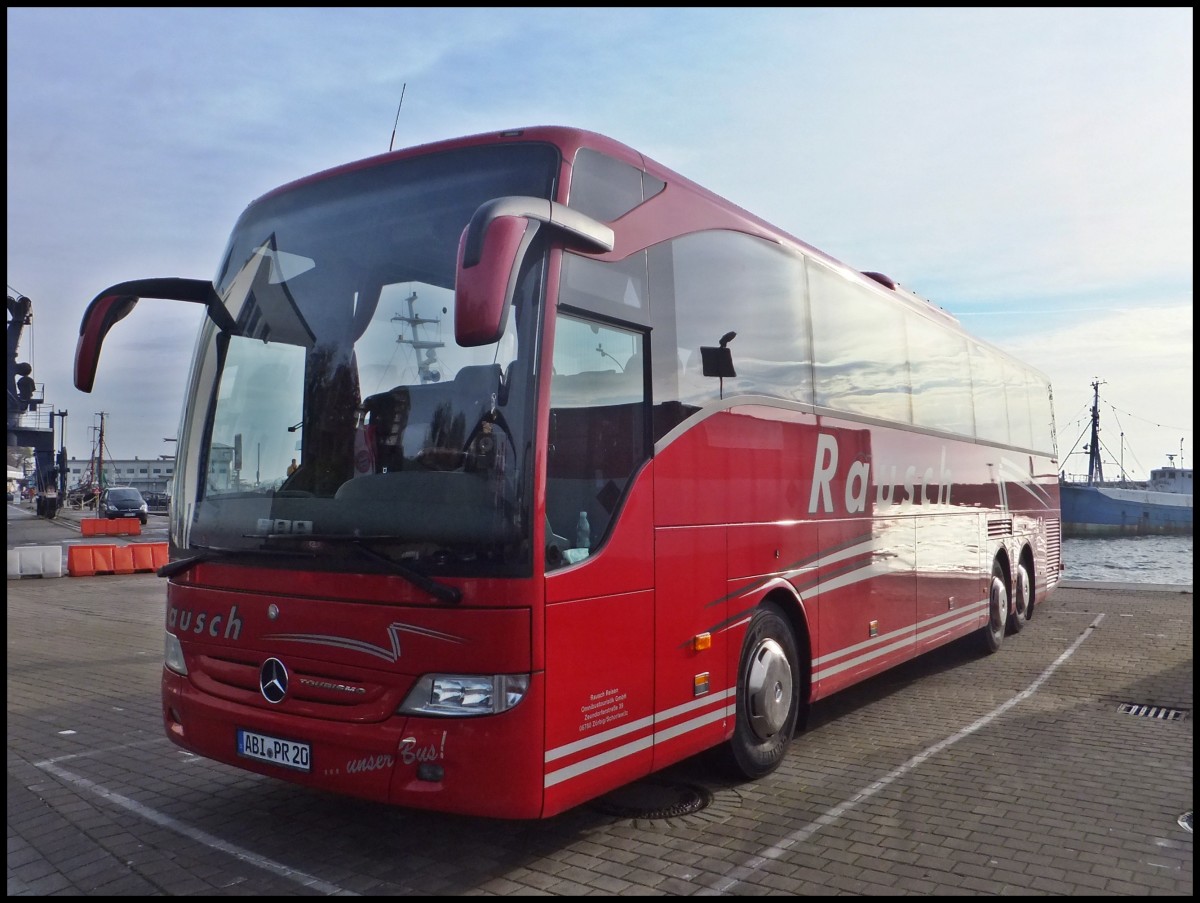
153 474
144 474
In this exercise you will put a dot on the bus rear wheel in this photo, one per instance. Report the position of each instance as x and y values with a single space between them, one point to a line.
768 695
1022 603
994 630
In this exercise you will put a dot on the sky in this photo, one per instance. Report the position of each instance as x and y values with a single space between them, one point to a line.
1028 170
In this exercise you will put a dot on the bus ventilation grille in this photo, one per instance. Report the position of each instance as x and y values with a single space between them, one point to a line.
1157 712
1053 544
999 528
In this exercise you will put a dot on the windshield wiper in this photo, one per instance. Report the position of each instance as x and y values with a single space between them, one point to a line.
212 553
440 591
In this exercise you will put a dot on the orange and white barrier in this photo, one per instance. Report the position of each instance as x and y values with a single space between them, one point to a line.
136 558
35 561
117 526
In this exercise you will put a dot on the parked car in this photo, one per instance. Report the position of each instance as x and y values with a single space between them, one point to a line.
157 501
122 501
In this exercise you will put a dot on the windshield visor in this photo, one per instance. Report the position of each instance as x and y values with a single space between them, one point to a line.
342 416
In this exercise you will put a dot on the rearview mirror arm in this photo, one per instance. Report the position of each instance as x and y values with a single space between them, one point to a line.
116 302
586 231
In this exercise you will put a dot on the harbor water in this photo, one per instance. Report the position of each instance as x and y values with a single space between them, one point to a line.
1129 559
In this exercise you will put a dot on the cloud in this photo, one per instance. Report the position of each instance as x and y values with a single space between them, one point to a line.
1143 358
1029 160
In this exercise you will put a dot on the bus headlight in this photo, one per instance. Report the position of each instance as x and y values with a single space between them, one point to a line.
460 695
173 655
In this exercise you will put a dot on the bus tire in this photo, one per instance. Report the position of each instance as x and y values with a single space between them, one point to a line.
997 624
1022 603
768 695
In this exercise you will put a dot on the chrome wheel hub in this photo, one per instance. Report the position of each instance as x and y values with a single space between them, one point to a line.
768 689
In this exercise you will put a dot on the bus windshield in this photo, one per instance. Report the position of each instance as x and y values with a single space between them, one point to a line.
341 416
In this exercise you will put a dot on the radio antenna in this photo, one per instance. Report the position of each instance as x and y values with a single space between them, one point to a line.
397 122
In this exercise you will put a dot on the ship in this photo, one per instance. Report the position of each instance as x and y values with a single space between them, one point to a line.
1096 507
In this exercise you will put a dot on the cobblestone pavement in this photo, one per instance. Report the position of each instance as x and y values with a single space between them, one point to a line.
958 773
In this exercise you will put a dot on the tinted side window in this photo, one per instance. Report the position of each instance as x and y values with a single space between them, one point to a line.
598 431
860 349
708 284
1041 412
941 377
606 188
991 400
1016 391
613 288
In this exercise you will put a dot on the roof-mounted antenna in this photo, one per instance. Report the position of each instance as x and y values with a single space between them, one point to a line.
397 122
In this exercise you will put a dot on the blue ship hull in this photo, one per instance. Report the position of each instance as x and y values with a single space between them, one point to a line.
1090 510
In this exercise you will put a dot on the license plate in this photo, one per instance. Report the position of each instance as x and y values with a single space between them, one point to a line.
287 753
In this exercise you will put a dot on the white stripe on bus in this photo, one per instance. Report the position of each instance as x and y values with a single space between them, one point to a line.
885 645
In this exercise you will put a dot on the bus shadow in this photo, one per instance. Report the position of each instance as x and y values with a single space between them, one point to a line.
963 651
707 769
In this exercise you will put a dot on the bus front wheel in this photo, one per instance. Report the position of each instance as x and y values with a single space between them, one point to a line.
994 630
768 695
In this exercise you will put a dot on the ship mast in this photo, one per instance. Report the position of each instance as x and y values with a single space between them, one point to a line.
427 368
1095 465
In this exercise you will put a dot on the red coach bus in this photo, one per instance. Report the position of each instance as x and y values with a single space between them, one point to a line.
517 467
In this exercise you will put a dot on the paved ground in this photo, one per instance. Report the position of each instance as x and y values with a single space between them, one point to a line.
959 773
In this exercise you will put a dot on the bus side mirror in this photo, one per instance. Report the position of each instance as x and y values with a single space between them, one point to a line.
102 314
490 252
116 302
484 287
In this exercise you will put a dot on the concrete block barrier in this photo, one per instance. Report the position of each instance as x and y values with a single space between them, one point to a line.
95 559
35 561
